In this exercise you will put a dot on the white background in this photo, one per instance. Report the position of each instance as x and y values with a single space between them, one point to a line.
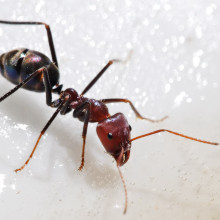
174 71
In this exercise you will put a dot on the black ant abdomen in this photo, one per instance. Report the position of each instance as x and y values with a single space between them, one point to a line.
18 64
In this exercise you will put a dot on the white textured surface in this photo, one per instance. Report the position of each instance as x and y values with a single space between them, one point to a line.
174 71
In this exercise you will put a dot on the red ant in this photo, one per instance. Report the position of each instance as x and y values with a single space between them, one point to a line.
34 71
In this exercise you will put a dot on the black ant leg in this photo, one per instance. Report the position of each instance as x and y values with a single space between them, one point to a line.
99 75
47 85
49 90
138 115
21 84
66 109
110 62
84 110
49 34
41 134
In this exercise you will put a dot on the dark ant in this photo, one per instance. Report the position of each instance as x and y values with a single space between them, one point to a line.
34 71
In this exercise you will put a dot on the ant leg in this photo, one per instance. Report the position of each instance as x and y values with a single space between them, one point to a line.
66 109
39 71
49 34
85 110
41 134
47 85
99 75
49 90
110 62
138 115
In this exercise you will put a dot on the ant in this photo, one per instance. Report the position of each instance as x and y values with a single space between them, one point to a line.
34 71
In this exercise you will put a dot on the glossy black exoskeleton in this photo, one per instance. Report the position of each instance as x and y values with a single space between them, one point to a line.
17 65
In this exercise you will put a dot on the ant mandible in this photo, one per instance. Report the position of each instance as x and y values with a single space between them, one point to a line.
34 71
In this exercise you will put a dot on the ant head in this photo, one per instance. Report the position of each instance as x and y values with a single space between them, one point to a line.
114 133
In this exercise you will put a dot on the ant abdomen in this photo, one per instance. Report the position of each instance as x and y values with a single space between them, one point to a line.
18 64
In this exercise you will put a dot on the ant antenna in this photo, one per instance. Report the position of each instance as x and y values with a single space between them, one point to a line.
121 157
172 132
125 190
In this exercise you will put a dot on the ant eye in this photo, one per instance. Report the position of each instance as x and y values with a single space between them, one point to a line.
110 136
130 127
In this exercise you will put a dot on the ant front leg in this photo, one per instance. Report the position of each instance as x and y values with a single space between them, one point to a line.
138 115
83 111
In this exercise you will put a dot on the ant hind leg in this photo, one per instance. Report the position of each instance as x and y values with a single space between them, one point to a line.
49 34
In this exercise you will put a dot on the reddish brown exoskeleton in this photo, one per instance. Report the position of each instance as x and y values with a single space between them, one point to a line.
34 71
